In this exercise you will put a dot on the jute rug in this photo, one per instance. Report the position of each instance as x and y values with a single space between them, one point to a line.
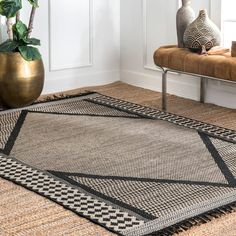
132 169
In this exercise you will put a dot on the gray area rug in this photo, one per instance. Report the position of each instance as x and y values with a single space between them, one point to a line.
132 169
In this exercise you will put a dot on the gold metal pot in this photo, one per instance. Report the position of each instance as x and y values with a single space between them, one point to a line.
21 82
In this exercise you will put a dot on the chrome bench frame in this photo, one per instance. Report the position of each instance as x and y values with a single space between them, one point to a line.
203 79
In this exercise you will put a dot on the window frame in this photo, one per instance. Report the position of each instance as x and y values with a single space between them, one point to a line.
216 12
225 19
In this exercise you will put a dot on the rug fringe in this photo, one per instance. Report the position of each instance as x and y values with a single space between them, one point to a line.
53 97
61 96
196 221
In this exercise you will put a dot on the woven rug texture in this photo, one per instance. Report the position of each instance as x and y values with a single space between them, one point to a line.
133 169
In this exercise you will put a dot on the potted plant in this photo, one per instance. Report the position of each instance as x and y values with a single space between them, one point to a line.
21 66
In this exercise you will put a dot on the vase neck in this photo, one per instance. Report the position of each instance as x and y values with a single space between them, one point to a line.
203 14
186 3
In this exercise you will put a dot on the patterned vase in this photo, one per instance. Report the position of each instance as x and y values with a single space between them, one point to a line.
184 17
202 33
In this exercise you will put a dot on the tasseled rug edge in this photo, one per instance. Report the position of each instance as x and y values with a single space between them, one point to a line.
53 97
62 96
196 221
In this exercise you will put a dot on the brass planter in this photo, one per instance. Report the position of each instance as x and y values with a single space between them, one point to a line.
21 82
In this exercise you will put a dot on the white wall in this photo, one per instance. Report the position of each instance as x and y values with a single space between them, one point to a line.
148 24
107 40
80 42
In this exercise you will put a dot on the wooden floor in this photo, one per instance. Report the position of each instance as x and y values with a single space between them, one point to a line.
25 213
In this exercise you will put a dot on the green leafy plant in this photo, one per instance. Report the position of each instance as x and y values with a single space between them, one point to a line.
19 39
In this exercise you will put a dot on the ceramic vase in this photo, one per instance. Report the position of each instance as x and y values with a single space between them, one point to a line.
184 17
202 33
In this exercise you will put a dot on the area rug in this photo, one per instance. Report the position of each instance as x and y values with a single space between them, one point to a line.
132 169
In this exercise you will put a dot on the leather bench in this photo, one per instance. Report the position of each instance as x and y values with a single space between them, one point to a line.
182 60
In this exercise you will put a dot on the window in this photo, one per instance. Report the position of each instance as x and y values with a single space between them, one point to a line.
228 22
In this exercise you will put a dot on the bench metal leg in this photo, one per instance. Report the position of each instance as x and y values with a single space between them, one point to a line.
202 90
164 90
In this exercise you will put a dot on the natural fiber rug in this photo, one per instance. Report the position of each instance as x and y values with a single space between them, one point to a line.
132 169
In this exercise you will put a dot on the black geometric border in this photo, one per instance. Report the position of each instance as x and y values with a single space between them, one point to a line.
218 160
23 114
58 191
228 135
65 176
145 112
15 132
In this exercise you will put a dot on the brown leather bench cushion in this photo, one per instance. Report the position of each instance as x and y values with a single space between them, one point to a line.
182 59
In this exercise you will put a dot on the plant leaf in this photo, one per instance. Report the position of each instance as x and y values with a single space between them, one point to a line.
30 53
9 8
32 41
8 46
34 3
20 30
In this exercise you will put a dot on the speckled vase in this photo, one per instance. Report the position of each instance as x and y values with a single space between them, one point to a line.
202 32
185 15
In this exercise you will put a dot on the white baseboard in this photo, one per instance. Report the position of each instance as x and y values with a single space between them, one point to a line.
222 94
79 81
